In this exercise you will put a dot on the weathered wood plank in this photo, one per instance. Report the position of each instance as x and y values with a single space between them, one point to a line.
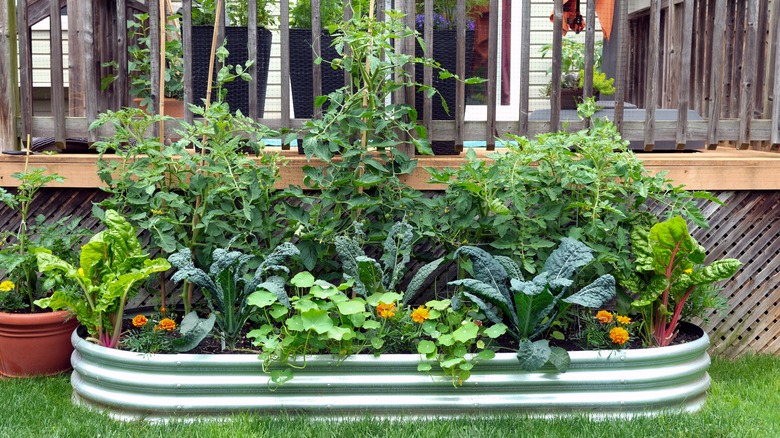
8 77
25 69
651 93
621 15
57 83
748 74
284 38
525 66
685 74
254 105
186 46
316 71
716 72
590 41
156 67
460 70
763 49
427 115
729 63
492 74
776 79
122 95
555 73
90 76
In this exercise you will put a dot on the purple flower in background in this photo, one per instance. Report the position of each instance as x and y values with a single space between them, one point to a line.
440 22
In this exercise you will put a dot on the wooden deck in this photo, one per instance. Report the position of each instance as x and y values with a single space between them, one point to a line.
720 169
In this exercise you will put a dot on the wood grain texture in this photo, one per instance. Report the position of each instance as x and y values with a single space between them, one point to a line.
8 81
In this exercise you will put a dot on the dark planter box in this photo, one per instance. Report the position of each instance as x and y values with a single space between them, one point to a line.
301 70
237 45
444 52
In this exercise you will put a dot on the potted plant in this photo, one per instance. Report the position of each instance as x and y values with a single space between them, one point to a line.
33 341
139 65
572 73
203 16
444 53
300 51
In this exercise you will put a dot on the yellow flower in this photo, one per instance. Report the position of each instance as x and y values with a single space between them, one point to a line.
157 211
167 324
604 317
139 321
420 314
385 310
689 271
623 319
81 272
619 335
7 286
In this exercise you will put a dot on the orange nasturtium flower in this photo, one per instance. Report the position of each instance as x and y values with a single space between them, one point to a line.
167 324
385 310
623 319
420 314
619 335
139 321
7 286
603 316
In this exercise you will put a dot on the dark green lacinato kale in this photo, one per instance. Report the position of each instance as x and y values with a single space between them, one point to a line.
528 308
368 275
227 284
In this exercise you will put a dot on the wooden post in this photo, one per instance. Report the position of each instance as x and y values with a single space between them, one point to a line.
252 54
590 40
90 78
25 67
427 115
716 73
316 70
284 37
76 61
186 46
776 84
492 75
122 95
622 60
460 70
525 67
555 74
8 83
651 92
747 96
685 76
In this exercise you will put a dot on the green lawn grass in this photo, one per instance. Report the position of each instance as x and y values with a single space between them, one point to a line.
744 401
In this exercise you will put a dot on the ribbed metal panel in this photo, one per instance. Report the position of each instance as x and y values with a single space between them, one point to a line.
599 383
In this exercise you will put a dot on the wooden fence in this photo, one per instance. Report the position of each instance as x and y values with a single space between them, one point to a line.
715 57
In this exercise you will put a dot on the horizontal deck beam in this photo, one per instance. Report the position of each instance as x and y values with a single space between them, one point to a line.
721 169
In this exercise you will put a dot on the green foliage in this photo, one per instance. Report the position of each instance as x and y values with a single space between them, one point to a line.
600 83
219 197
204 12
139 66
529 308
573 55
368 274
320 318
670 270
360 138
227 286
331 12
112 263
585 185
155 336
17 256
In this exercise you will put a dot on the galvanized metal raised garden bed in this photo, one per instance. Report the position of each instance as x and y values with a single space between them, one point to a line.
599 383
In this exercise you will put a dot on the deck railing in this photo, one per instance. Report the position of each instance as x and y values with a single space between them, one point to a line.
717 58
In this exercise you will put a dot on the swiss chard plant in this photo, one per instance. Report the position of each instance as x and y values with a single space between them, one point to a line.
671 272
112 264
528 308
227 285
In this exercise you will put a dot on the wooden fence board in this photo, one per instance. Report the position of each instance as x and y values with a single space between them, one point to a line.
746 105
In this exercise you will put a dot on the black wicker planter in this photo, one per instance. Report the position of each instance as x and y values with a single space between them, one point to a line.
237 45
444 52
301 70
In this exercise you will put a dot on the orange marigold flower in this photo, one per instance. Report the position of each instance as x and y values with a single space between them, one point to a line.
139 321
7 286
604 317
385 310
167 324
420 314
163 310
619 335
623 319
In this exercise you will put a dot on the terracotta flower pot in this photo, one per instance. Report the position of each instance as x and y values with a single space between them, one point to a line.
35 344
173 107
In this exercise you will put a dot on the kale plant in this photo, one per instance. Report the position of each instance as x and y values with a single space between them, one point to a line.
369 275
226 286
527 308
